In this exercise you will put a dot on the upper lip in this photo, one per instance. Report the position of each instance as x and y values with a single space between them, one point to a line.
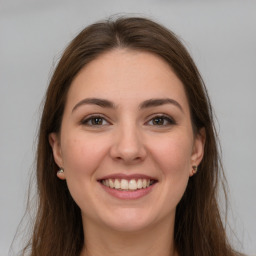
127 176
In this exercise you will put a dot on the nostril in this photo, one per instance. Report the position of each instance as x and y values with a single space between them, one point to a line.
128 159
127 147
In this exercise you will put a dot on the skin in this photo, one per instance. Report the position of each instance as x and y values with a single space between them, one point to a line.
128 140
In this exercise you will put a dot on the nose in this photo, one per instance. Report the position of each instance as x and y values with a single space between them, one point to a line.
128 146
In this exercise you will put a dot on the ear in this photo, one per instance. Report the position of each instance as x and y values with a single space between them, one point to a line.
198 149
54 141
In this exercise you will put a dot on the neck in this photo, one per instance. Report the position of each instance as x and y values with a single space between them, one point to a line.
152 241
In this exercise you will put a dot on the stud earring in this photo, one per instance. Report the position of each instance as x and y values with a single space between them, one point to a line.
61 174
194 169
60 171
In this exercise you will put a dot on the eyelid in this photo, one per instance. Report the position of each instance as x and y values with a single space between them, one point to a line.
170 119
91 116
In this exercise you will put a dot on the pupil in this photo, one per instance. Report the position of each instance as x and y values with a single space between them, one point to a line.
97 121
158 121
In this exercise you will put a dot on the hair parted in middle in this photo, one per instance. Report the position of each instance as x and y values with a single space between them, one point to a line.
198 226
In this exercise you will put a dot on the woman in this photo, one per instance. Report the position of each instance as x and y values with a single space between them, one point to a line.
127 160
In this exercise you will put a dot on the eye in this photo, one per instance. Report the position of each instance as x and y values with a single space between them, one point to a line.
94 121
161 120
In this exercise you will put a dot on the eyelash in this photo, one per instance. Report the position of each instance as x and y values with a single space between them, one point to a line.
93 117
169 120
166 119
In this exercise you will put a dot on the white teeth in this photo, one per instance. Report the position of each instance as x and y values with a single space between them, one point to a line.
144 183
139 184
132 185
117 184
111 183
124 184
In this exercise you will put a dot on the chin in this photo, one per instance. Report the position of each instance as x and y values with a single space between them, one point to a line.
129 220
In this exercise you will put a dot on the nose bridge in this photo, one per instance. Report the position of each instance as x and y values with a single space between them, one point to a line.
128 143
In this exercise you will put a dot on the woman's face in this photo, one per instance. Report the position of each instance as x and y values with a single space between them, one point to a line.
126 142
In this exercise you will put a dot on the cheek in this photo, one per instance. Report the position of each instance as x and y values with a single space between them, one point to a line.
173 155
82 155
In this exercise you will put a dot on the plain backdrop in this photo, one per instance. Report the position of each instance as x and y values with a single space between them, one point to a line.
221 37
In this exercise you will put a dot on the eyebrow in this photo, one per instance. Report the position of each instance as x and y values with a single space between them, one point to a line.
145 104
94 101
159 102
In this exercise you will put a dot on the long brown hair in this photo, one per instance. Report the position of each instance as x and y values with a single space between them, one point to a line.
199 229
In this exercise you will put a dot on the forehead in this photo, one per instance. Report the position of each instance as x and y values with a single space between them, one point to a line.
127 76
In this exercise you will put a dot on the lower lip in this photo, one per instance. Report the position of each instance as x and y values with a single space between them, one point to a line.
128 195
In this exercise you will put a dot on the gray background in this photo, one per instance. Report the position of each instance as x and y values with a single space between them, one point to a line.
220 35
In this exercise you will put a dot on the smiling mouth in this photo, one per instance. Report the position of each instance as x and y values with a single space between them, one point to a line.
128 185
